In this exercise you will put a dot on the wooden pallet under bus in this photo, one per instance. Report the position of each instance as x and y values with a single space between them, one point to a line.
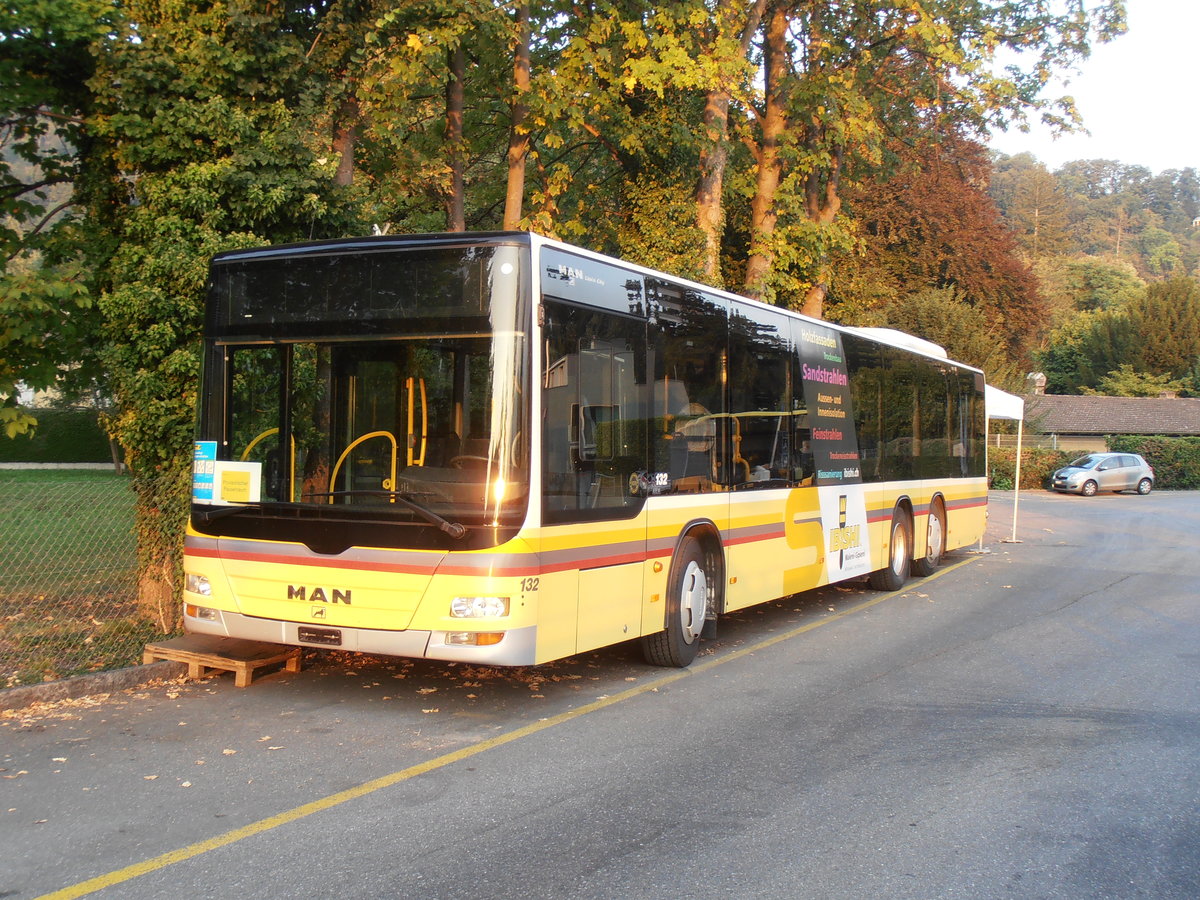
205 652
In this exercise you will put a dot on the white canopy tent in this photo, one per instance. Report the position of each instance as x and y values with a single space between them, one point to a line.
1002 405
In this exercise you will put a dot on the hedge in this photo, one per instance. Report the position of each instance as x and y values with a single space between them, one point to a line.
61 436
1037 465
1176 461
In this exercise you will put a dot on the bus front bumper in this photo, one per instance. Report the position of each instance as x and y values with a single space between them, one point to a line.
517 648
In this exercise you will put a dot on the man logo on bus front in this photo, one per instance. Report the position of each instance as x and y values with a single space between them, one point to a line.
318 594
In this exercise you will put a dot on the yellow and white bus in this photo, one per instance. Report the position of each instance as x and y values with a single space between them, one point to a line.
501 449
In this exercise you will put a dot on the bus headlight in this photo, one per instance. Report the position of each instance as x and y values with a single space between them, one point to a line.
197 584
478 607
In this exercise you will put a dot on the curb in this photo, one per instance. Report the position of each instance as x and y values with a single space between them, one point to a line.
92 683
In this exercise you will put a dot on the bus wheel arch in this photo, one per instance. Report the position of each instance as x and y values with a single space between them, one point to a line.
694 596
899 551
935 539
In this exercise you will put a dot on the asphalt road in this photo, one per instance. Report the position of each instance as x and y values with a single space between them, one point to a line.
1024 724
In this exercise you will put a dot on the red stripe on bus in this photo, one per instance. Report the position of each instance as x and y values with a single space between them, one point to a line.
513 571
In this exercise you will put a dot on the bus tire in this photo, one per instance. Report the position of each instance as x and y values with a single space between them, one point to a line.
689 591
935 541
893 576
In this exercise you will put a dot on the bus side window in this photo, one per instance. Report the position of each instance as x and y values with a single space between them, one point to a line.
758 449
868 377
805 468
687 345
594 428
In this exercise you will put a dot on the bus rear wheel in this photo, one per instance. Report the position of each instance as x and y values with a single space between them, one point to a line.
892 576
690 589
935 541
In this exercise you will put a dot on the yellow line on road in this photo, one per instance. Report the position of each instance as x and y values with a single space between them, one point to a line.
369 787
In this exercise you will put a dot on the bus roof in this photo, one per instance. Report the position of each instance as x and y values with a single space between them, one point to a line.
889 336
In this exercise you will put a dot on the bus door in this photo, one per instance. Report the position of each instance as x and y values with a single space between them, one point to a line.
370 442
594 447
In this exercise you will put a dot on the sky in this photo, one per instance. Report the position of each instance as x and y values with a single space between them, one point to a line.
1139 95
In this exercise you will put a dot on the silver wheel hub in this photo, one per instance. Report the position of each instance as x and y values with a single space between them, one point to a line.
693 601
935 538
899 550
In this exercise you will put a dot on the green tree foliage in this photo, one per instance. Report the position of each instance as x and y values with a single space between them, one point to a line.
944 316
1125 382
1037 466
200 127
933 224
1040 214
47 310
1176 461
46 323
1074 284
1130 235
651 129
830 101
1167 322
1157 333
1081 352
1118 212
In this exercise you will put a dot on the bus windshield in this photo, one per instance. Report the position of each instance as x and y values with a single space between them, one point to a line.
397 376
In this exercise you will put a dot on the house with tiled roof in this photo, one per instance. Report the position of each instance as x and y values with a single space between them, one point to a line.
1082 423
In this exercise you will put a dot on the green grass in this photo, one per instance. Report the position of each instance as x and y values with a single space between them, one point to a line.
59 646
61 536
54 476
68 575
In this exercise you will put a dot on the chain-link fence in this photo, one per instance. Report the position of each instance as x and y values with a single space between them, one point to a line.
68 576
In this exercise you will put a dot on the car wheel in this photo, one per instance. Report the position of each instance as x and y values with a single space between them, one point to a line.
1088 489
1145 486
895 573
691 589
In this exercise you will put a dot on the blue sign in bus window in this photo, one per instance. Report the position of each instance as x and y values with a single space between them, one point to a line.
204 467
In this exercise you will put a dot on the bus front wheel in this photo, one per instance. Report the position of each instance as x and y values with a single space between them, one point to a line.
892 576
689 590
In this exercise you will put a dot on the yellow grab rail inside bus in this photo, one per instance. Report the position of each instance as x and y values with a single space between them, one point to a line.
388 485
416 459
291 461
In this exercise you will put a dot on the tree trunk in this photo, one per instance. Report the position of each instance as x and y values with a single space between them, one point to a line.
822 203
455 206
710 213
518 139
345 136
763 215
156 594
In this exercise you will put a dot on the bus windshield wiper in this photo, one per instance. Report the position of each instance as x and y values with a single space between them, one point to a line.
222 512
454 529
